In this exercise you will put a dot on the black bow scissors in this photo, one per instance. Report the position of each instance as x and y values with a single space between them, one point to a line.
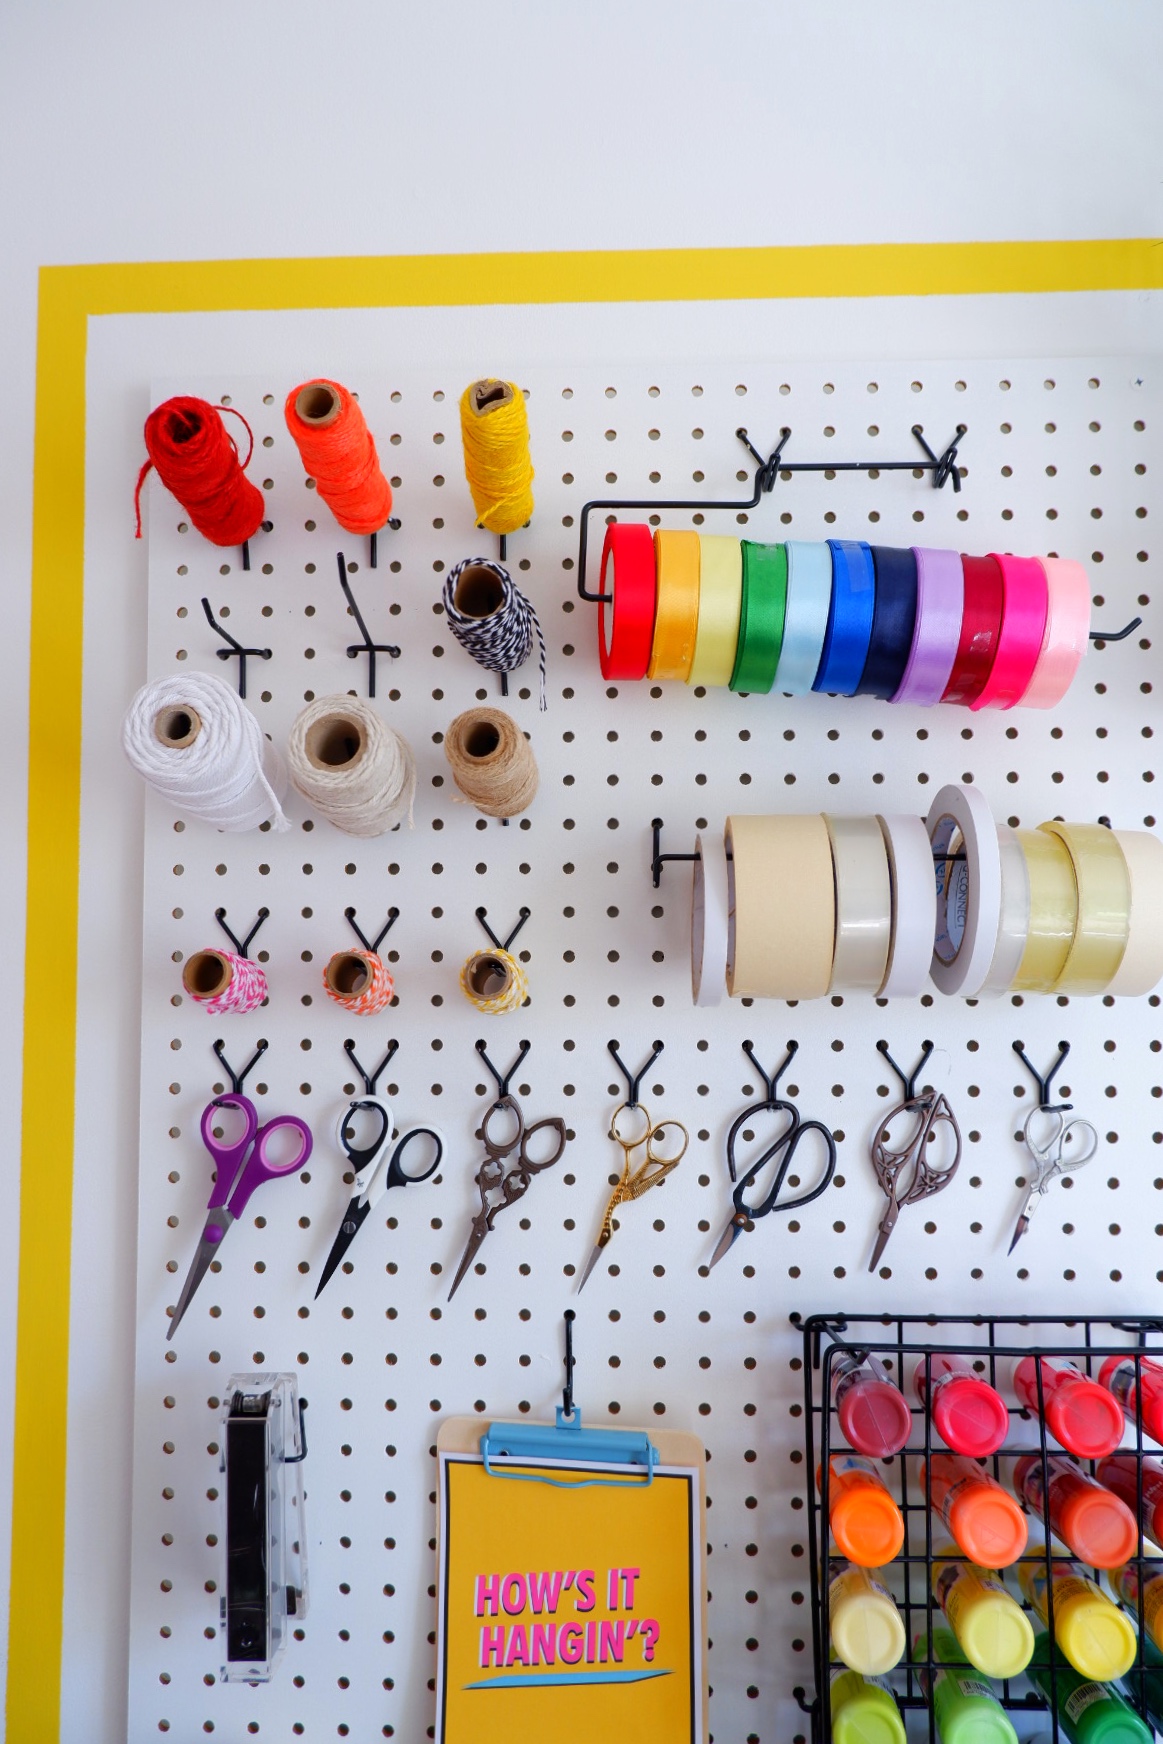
747 1213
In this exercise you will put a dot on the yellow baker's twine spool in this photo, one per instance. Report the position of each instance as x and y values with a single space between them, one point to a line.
482 970
494 429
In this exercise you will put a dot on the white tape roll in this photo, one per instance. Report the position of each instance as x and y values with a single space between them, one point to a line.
709 921
863 904
1014 921
1142 966
781 927
914 906
968 890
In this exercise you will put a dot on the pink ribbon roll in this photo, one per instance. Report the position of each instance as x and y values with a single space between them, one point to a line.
221 981
937 629
359 981
1023 624
1067 633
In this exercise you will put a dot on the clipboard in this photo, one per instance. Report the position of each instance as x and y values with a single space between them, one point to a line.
571 1582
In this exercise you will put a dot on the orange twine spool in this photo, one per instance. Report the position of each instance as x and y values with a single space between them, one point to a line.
339 453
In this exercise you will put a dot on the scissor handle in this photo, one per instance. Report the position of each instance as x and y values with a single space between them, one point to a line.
631 1144
790 1143
531 1165
1050 1157
226 1157
511 1106
260 1167
360 1156
654 1168
398 1175
740 1120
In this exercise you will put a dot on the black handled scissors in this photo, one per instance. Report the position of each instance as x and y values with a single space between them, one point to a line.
378 1167
747 1213
499 1186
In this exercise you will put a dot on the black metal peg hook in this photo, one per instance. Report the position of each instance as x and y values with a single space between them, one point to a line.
567 1390
371 1080
367 646
502 1083
368 944
238 1079
909 1082
298 1458
657 857
1102 636
236 651
633 1080
771 1084
502 946
243 946
1044 1103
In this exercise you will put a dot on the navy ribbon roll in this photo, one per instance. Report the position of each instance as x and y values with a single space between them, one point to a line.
849 618
893 619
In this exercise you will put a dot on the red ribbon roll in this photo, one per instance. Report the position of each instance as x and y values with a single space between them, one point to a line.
1023 624
626 624
980 628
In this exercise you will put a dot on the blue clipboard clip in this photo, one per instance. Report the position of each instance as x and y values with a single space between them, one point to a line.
566 1442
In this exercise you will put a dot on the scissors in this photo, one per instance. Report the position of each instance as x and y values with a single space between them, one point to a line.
650 1172
375 1170
911 1159
788 1141
1050 1160
241 1165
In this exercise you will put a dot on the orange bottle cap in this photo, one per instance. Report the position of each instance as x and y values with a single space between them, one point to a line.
988 1525
1099 1528
867 1526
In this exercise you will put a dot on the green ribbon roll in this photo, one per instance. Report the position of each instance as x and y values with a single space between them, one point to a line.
761 619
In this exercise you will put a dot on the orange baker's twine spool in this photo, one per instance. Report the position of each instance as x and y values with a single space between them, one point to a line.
360 981
339 453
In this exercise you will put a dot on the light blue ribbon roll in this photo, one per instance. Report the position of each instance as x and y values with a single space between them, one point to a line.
809 596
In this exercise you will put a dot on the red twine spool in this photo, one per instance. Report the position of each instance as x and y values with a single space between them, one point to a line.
196 459
339 453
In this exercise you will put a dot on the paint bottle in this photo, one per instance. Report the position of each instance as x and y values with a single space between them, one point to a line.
1120 1474
1080 1414
968 1415
874 1417
992 1630
1142 1394
984 1520
866 1627
1095 1524
866 1523
966 1710
1097 1638
1089 1712
1145 1599
1147 1692
863 1711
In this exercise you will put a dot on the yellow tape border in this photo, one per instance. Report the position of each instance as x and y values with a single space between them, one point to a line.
69 297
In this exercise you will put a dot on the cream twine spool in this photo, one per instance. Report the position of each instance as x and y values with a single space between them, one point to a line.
352 767
494 981
492 761
200 748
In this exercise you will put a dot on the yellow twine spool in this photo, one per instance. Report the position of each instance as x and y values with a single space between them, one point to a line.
494 429
494 981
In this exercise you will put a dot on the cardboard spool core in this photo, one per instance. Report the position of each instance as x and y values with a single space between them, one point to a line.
207 974
485 396
481 740
479 592
488 977
317 404
348 974
177 727
334 742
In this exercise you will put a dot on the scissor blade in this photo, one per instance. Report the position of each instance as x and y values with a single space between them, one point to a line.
199 1266
352 1223
726 1242
589 1266
475 1239
1020 1229
886 1229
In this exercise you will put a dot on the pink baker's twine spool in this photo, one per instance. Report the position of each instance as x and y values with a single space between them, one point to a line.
1026 602
221 981
359 981
1067 633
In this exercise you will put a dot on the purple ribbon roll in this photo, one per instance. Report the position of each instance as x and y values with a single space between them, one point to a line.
940 602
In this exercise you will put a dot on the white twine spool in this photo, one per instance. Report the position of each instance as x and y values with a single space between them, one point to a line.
200 748
354 768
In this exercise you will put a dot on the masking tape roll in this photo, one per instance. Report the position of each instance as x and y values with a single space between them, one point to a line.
1067 634
720 602
863 904
494 982
1141 969
914 906
1014 923
1053 912
676 616
1104 907
709 921
781 930
968 890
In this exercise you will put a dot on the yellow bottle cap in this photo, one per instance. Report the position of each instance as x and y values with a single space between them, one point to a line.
1097 1638
996 1635
868 1633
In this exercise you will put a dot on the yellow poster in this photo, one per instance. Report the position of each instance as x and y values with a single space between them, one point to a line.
571 1607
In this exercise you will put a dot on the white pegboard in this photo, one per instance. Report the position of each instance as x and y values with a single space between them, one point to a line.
1054 459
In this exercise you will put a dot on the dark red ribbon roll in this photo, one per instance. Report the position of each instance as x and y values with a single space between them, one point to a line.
626 625
980 629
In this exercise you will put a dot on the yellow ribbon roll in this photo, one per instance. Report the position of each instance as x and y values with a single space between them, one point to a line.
1104 906
720 603
1053 912
781 925
1141 969
676 615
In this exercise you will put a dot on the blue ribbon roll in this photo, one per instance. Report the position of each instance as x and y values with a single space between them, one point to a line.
849 618
893 619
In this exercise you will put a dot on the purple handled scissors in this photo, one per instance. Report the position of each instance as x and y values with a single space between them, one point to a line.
241 1166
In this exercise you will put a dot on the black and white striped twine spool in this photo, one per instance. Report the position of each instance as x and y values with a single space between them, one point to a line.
503 640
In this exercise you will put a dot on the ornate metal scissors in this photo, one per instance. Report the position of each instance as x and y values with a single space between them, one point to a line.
499 1186
633 1182
1049 1156
922 1178
747 1213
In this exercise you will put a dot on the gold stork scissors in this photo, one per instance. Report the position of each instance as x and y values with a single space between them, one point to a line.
635 1180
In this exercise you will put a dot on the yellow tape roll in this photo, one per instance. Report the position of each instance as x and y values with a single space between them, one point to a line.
1104 906
781 927
720 603
1053 912
676 615
1142 967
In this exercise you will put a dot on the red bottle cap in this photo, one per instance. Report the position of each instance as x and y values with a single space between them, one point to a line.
876 1420
1085 1418
969 1416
